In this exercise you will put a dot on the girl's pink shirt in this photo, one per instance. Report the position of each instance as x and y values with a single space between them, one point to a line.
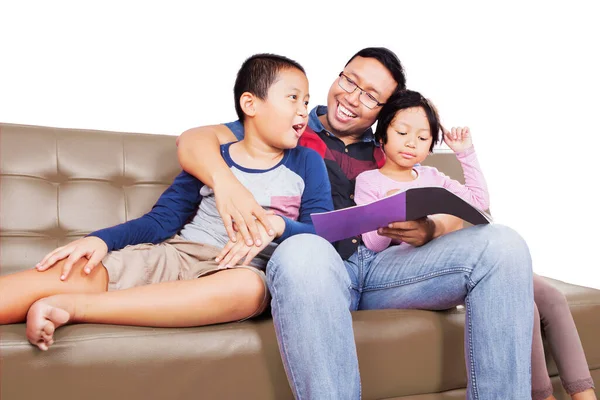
373 185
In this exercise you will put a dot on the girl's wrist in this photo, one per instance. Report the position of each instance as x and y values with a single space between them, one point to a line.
466 151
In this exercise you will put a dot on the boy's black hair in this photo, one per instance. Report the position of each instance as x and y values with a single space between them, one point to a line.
389 59
257 74
402 101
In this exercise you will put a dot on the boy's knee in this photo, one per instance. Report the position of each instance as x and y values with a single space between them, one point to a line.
251 286
250 296
95 281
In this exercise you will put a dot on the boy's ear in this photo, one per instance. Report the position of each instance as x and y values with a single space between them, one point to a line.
248 103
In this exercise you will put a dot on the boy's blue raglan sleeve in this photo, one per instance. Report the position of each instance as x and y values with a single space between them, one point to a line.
237 128
170 213
316 197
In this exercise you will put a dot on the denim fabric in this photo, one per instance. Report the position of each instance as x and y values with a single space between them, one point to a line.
487 268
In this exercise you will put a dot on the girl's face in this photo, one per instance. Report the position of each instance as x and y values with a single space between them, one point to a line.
408 138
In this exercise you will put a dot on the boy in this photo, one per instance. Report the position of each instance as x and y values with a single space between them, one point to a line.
155 285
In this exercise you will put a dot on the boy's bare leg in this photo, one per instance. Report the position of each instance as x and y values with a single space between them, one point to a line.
20 290
225 296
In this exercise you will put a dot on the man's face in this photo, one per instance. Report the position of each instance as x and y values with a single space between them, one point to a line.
346 114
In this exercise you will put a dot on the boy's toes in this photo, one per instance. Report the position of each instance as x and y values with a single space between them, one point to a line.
42 321
42 345
47 337
48 329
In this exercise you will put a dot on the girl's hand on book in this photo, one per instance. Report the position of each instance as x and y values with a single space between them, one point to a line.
458 138
391 192
416 233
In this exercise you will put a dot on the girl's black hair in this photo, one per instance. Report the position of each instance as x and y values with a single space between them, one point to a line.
402 101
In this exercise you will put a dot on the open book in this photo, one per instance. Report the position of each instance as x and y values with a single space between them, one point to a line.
408 205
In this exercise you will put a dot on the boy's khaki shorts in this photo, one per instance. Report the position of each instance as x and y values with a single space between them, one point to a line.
172 260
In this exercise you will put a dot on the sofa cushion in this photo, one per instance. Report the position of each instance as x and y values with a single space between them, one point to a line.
401 353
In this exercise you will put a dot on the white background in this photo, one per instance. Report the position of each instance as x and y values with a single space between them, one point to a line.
524 77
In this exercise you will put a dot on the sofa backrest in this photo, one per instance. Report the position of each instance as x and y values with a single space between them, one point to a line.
58 185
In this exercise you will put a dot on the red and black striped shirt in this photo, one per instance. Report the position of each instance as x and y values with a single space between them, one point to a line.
344 163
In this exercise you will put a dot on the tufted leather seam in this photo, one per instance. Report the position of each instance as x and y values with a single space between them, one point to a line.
123 176
58 185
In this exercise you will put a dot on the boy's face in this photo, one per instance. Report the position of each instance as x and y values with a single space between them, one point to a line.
408 138
346 114
282 117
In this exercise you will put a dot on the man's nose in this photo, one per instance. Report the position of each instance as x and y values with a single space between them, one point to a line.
353 98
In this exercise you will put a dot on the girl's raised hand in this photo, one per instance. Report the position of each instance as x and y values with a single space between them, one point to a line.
458 139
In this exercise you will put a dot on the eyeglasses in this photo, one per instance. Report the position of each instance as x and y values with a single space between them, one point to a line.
350 86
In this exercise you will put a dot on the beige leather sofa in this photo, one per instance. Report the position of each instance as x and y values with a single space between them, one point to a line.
59 184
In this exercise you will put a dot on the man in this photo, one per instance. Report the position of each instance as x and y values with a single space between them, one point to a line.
315 285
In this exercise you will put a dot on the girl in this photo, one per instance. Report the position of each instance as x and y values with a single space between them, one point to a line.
407 129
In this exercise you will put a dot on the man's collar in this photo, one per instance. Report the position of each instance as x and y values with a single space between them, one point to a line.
316 125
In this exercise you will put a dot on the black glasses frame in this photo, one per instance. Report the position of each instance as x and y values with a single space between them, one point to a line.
362 91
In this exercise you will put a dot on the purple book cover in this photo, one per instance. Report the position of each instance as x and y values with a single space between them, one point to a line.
352 221
409 205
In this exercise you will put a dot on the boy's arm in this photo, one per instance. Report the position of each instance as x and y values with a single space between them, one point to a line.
199 154
316 197
172 210
170 213
366 192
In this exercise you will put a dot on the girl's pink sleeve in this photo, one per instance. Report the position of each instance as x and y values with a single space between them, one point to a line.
369 189
475 190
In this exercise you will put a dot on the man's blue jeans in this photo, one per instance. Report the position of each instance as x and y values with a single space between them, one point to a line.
487 268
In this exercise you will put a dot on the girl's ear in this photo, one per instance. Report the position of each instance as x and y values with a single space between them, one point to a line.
248 104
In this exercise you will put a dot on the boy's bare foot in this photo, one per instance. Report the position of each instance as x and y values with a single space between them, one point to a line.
44 317
551 397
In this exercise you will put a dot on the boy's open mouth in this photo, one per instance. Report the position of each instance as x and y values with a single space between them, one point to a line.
299 128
